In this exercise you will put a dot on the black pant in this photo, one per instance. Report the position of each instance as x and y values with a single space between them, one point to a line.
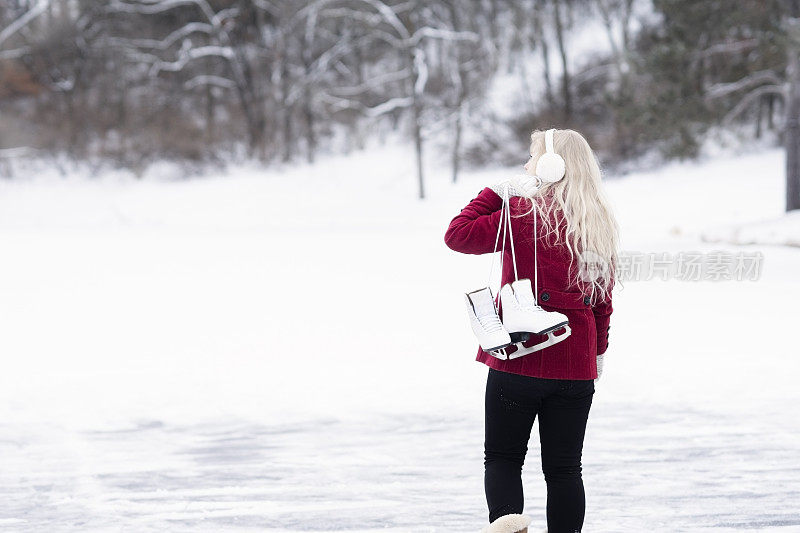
512 403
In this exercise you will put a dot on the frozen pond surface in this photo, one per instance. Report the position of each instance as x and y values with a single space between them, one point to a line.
645 469
216 355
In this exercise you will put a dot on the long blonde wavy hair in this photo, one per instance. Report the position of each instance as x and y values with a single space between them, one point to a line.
578 203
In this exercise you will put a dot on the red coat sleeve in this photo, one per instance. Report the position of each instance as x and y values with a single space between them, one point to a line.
602 319
474 230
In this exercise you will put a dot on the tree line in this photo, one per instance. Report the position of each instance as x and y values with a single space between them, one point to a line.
134 81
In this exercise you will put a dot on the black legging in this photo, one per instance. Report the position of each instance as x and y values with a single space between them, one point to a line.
512 403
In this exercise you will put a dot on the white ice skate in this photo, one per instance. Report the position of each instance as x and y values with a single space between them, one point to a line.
521 313
484 320
523 316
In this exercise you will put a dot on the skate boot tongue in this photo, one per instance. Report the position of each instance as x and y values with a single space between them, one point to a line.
524 292
484 305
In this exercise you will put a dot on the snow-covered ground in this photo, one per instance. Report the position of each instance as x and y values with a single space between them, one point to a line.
287 350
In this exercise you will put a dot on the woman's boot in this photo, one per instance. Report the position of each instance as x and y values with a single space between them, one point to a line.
510 523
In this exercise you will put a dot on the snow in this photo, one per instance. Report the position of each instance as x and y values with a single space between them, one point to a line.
782 230
287 350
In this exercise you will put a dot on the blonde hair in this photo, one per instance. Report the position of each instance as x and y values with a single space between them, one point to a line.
579 205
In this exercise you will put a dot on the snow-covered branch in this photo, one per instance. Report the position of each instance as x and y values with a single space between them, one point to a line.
214 27
152 7
733 47
592 73
166 42
368 18
422 71
390 17
757 78
438 33
15 53
149 7
189 54
752 97
338 104
23 21
207 79
401 38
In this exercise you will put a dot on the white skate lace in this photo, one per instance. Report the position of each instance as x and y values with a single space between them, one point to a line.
490 323
505 220
531 306
536 307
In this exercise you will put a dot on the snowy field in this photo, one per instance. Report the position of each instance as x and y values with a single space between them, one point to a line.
287 350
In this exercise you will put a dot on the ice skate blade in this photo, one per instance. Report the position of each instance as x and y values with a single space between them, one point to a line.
554 328
499 353
522 350
522 336
498 348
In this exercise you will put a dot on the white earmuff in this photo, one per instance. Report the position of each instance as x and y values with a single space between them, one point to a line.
550 167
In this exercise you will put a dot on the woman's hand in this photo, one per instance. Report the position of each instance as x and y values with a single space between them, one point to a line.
599 367
521 185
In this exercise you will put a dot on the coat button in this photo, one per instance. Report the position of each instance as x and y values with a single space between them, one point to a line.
586 300
545 296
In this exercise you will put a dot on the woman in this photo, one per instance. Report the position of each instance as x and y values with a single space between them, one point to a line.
577 240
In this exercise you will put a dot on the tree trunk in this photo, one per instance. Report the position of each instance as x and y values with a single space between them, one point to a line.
759 116
308 111
548 84
210 109
416 117
311 140
417 125
562 50
355 141
793 118
256 123
460 110
460 96
252 106
286 110
771 111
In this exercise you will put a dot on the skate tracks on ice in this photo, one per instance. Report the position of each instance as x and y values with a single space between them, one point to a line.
644 469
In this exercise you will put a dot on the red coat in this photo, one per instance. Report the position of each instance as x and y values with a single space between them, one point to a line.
474 231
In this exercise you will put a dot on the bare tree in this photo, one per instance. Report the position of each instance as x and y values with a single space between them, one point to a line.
617 13
542 40
792 119
406 31
558 19
750 89
467 64
182 52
